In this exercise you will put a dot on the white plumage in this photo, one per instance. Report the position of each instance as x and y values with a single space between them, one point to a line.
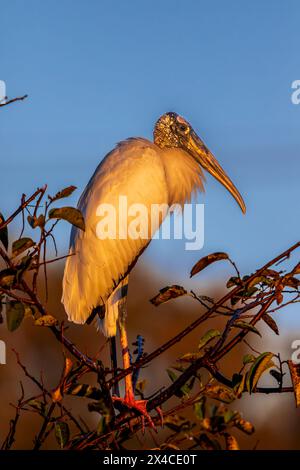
146 174
167 171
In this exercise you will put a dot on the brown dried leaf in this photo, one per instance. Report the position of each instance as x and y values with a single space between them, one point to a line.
220 392
271 323
206 261
296 269
168 293
290 281
66 192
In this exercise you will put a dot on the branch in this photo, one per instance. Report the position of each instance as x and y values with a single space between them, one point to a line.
267 390
22 206
13 100
40 437
46 392
10 439
157 352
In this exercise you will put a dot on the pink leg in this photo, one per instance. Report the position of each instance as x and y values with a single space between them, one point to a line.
129 401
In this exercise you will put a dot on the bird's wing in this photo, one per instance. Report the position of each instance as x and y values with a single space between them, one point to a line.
133 169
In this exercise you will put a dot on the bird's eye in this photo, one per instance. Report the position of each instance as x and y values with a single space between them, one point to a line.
183 128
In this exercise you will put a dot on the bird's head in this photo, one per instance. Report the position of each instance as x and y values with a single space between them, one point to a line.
173 131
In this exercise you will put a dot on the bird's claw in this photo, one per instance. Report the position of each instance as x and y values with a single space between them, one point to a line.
139 407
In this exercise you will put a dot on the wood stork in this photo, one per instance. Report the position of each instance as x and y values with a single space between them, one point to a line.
166 171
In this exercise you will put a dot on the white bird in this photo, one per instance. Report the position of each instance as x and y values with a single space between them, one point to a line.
166 171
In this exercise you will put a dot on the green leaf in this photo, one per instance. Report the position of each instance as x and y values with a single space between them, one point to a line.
70 214
207 337
185 389
229 415
239 390
248 358
66 192
29 311
3 233
271 323
199 408
85 390
168 293
245 326
259 366
257 280
37 405
101 428
206 261
106 415
233 281
21 245
7 277
191 357
14 314
171 375
62 433
247 292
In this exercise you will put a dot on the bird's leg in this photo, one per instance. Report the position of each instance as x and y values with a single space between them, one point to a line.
129 401
114 363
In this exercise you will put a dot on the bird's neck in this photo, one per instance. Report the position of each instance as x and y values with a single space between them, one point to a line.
184 175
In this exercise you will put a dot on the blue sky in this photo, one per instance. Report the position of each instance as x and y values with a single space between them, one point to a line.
97 72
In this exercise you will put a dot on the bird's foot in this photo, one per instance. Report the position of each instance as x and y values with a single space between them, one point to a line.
139 407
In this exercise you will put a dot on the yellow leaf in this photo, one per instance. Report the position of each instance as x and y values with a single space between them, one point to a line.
295 376
244 426
56 395
262 363
231 442
46 320
241 387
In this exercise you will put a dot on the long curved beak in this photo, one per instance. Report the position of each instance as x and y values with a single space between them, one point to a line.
206 159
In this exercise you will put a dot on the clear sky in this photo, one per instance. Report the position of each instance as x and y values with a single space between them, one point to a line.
99 71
